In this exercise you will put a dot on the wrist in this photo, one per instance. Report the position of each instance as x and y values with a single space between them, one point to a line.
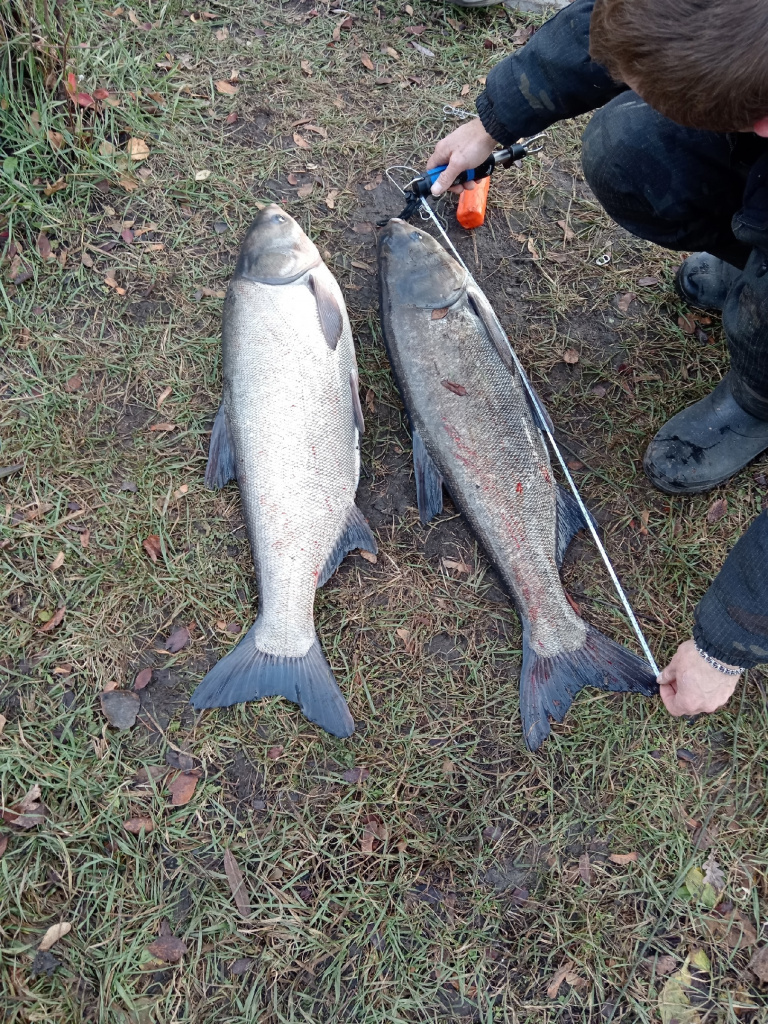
723 667
493 126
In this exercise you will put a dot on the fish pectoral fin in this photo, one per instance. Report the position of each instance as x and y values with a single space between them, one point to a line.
356 533
221 453
429 482
570 520
549 685
357 409
328 309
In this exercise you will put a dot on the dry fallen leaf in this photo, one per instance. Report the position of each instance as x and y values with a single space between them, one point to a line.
449 563
178 639
585 869
54 933
623 858
137 149
686 324
647 282
44 246
306 68
163 427
58 561
166 946
142 679
135 825
317 129
182 788
713 873
54 620
3 844
559 977
152 546
226 88
274 752
532 249
368 556
355 775
759 964
305 190
163 395
202 175
3 720
465 90
86 260
568 233
56 139
732 927
222 34
85 538
366 843
571 356
237 884
717 510
625 301
330 199
391 52
366 61
300 141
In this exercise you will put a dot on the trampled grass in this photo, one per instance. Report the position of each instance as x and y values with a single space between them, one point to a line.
453 877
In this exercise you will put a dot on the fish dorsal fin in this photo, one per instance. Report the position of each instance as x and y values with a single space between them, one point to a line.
221 453
355 533
570 520
429 482
328 309
357 409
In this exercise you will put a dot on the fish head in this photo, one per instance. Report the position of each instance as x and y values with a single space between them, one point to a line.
275 250
416 269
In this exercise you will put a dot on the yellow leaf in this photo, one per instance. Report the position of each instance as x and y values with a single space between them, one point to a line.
54 933
58 561
137 149
226 88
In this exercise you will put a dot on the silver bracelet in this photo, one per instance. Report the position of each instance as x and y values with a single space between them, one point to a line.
725 669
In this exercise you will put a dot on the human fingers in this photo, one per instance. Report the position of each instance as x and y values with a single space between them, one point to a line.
447 177
668 695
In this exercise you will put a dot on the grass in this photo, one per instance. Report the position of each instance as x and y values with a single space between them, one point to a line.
432 925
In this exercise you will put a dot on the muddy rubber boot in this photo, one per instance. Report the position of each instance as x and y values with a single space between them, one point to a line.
705 281
705 444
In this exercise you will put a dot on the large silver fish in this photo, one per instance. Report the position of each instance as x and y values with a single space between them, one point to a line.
474 430
288 430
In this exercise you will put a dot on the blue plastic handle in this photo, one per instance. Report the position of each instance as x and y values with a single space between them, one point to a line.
434 173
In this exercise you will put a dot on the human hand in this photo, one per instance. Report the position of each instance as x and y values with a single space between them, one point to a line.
690 686
464 148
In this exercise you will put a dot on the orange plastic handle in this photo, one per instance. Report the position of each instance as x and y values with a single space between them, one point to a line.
472 204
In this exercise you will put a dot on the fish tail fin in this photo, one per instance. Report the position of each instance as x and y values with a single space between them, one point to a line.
549 685
247 673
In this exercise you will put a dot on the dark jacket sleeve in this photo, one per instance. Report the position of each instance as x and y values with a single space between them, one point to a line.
550 78
731 620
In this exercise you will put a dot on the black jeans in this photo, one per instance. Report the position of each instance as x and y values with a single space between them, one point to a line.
692 190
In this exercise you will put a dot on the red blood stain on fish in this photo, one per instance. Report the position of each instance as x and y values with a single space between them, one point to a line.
457 389
519 487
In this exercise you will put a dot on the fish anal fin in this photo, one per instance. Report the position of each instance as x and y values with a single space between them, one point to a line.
570 520
328 309
357 409
247 673
221 453
429 482
356 533
549 685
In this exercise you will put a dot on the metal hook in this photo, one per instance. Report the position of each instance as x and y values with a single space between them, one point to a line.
533 138
452 111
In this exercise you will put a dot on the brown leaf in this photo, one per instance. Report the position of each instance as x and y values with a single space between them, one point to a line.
231 118
559 977
135 825
759 964
416 30
237 884
356 775
317 129
163 427
391 52
648 282
371 185
568 233
449 563
438 314
54 933
127 235
305 190
274 752
366 843
182 788
86 260
522 34
585 869
362 227
3 844
623 858
717 510
533 250
137 149
44 246
152 546
735 929
57 562
111 685
686 324
457 389
571 356
56 139
143 679
226 88
166 946
221 34
3 719
120 708
178 639
306 68
54 620
85 538
163 395
330 199
368 556
366 61
300 142
73 384
625 301
465 90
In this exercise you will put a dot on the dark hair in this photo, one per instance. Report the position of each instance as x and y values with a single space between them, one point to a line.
701 63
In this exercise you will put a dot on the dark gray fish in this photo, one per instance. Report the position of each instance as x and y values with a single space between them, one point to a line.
288 430
474 430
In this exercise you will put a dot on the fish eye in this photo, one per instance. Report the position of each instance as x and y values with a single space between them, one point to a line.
415 236
277 218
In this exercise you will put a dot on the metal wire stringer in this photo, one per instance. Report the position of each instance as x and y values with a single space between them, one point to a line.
544 426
